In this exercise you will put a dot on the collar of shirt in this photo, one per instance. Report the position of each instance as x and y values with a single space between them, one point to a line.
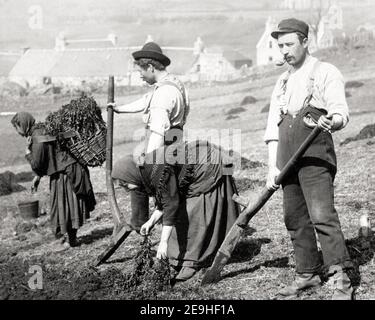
162 78
294 87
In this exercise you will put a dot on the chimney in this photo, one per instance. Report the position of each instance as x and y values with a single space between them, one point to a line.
25 49
113 38
270 24
60 42
149 39
198 46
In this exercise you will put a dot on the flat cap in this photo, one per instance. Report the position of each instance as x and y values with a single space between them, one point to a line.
289 26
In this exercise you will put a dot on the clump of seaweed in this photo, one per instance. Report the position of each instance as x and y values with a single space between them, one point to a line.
148 276
81 115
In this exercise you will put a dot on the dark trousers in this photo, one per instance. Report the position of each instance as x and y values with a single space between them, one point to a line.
309 198
140 208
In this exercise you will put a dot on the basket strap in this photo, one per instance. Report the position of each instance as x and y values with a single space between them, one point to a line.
48 138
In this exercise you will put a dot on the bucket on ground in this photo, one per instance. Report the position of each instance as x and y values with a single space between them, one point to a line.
29 209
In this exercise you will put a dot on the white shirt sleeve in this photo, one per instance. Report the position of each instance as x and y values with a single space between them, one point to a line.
334 93
135 106
272 129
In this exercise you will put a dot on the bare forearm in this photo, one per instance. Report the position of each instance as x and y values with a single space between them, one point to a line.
155 217
133 107
166 232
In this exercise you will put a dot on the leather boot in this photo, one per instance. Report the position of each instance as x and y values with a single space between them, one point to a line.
72 237
302 282
341 283
185 274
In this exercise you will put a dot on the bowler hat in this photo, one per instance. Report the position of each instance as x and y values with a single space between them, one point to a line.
151 50
289 26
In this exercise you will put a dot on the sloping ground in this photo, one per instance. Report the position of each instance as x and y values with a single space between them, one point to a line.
261 265
263 261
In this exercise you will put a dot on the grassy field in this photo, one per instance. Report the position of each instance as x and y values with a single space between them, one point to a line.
263 260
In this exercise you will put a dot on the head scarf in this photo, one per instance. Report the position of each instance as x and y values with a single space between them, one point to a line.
25 121
126 170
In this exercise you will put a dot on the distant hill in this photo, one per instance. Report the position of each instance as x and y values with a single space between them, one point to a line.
236 24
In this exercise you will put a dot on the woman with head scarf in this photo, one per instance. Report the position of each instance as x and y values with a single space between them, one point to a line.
71 194
192 186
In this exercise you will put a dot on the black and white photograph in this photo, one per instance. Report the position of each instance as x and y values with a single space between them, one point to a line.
186 155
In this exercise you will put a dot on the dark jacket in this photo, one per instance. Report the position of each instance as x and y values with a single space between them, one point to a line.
199 171
45 159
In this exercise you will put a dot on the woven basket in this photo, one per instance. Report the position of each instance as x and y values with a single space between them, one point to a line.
90 152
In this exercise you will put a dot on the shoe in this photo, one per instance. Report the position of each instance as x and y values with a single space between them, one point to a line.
302 282
72 237
61 240
62 247
341 284
58 235
185 274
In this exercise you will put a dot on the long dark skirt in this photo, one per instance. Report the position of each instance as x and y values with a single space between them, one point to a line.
202 226
71 198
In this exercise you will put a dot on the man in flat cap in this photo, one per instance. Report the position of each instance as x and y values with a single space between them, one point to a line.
310 93
165 109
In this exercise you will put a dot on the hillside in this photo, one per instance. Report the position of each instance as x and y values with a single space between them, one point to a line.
237 25
213 102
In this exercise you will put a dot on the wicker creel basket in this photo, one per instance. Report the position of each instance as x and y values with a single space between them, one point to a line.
89 152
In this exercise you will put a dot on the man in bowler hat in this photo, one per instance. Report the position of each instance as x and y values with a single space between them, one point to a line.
166 107
310 93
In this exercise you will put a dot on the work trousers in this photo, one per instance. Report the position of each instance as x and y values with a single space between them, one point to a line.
309 197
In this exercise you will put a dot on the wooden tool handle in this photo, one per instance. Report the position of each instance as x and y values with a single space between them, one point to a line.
254 207
116 214
233 236
240 200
